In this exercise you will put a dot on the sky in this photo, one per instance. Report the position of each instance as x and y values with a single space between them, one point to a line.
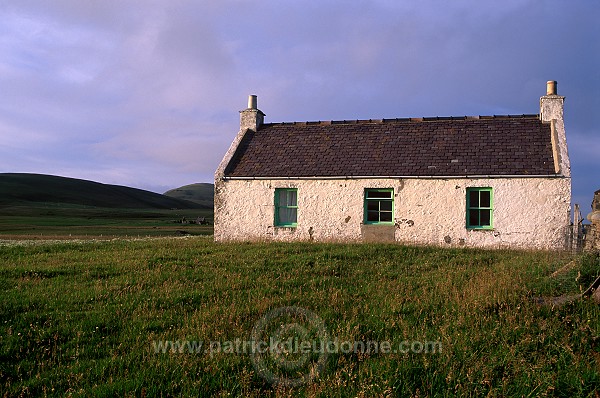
147 93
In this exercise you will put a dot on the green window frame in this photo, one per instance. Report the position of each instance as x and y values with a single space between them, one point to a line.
286 207
379 206
480 208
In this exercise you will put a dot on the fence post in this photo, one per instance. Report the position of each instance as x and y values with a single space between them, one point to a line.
576 239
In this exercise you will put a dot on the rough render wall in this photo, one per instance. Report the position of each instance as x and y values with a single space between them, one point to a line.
528 213
593 235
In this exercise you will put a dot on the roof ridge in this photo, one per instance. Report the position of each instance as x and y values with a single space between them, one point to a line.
405 119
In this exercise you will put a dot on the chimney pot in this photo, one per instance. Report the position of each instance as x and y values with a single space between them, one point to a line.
551 87
252 102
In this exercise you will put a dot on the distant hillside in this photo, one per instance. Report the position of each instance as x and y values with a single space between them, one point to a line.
201 193
23 189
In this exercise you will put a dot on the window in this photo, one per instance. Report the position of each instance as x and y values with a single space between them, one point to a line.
286 207
379 206
479 208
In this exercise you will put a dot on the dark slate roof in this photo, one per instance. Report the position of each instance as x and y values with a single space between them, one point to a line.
492 145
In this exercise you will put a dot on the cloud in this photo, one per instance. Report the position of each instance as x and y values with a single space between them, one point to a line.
147 93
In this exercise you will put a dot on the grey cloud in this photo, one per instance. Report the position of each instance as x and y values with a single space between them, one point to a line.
146 93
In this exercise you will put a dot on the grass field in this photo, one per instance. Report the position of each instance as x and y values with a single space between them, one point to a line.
126 317
63 221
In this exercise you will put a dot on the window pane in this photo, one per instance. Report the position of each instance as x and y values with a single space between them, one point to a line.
283 198
373 216
484 218
287 216
484 199
373 205
385 216
473 218
377 195
473 198
385 205
292 198
287 197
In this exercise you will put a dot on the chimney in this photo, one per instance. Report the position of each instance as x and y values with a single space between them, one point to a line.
552 110
551 104
252 117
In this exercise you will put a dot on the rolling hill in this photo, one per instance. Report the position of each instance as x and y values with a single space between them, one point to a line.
201 193
24 189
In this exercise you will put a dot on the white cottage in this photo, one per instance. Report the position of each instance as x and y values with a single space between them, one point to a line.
483 181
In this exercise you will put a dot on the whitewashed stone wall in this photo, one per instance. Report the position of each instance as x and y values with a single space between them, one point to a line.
529 213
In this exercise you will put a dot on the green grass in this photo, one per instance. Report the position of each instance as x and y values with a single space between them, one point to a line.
62 221
82 318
